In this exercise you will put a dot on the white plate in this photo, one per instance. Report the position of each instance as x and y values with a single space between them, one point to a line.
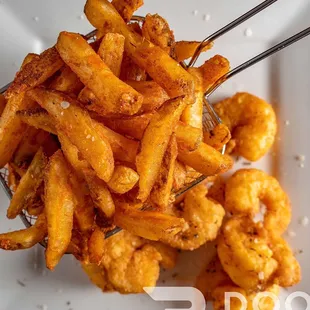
283 80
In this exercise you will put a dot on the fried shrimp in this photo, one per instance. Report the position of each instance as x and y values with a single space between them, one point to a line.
252 122
130 263
289 271
203 216
244 251
247 187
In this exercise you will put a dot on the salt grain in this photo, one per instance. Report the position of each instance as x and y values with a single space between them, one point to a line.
304 221
301 165
291 234
88 136
261 275
259 287
206 17
93 139
81 17
65 105
256 241
300 157
36 18
62 113
248 32
287 123
195 12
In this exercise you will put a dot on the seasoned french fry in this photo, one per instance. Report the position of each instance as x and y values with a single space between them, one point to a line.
186 49
77 125
124 149
153 95
37 118
72 155
115 96
35 72
159 65
2 103
59 207
131 71
192 115
97 276
25 238
179 178
126 8
206 160
154 143
147 224
188 137
217 137
28 185
133 126
33 139
11 127
156 29
111 51
212 70
67 81
99 193
123 179
84 213
96 246
161 192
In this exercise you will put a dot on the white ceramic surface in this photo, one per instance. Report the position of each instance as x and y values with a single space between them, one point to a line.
283 80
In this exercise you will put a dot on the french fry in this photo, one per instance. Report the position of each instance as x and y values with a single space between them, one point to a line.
153 95
123 180
115 96
28 185
33 139
212 70
67 81
186 49
154 144
188 137
206 160
97 276
99 193
37 118
72 155
179 177
126 8
84 213
77 125
156 29
111 51
124 149
217 137
159 65
35 72
161 192
133 126
2 103
147 224
59 207
193 114
25 238
96 246
131 71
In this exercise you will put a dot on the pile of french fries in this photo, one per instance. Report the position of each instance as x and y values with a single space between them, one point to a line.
103 134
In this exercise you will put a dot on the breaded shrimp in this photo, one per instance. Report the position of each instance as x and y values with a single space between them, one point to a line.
203 216
252 122
244 251
289 271
247 187
130 263
264 303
